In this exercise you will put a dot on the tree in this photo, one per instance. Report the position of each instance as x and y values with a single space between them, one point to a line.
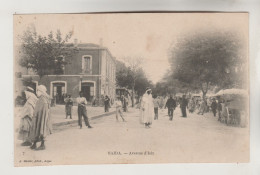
133 64
132 76
44 55
207 59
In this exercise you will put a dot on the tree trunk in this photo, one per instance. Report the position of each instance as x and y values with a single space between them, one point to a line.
133 94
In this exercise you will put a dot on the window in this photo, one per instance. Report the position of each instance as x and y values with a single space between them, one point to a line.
60 68
86 64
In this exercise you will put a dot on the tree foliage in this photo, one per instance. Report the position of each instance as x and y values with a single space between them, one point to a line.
208 59
44 55
125 78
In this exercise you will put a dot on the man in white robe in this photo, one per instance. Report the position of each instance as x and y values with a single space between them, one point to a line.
147 108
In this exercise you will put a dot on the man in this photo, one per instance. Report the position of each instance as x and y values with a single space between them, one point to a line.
41 125
214 107
147 108
82 102
106 102
183 105
219 108
156 104
68 106
171 105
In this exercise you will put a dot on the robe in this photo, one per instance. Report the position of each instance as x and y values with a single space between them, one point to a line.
147 109
41 121
26 117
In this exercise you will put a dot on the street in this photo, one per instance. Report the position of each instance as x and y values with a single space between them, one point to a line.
196 138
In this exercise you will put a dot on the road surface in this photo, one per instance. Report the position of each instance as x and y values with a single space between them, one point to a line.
194 139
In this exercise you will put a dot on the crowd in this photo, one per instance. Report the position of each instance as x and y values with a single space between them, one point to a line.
35 122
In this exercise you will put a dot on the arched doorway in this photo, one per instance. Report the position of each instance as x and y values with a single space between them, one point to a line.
88 89
58 91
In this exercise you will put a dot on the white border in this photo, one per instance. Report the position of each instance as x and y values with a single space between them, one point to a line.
8 8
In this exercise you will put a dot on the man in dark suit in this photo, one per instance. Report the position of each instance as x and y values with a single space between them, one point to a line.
171 105
183 105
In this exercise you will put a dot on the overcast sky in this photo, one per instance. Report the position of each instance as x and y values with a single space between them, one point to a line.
134 35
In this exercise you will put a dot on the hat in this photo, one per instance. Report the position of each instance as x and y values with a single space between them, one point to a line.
42 88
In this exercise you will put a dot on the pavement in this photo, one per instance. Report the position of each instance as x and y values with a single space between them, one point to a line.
58 116
193 139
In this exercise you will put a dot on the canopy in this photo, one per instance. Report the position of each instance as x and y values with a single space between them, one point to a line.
232 92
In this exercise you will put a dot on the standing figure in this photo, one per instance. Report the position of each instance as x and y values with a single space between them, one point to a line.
183 105
94 101
214 107
119 111
191 105
147 108
106 103
124 103
82 111
202 107
219 109
41 121
156 103
26 117
171 105
68 106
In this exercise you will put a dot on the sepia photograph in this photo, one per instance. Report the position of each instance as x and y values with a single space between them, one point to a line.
131 88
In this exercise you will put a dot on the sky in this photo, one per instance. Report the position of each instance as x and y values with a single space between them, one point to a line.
146 35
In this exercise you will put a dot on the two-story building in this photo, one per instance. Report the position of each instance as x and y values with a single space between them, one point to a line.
91 69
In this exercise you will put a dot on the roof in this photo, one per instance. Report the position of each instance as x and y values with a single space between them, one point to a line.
92 46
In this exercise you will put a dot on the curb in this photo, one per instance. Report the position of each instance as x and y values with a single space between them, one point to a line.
76 121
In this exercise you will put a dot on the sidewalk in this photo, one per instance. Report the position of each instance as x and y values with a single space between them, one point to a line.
58 115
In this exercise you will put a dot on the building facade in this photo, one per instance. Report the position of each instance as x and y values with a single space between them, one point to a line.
91 69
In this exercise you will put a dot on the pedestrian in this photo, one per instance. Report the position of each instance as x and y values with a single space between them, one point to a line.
147 108
94 101
202 107
183 105
219 109
171 105
156 103
106 103
191 105
82 111
124 103
41 121
119 111
26 115
68 106
214 107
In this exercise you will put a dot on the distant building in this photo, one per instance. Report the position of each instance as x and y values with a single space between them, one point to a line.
92 70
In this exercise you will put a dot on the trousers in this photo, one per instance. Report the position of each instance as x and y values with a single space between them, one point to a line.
82 112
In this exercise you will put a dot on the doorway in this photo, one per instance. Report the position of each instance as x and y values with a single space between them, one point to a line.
59 92
87 89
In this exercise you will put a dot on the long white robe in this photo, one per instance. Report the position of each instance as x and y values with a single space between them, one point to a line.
147 109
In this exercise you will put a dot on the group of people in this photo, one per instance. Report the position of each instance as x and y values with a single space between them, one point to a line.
35 122
150 105
203 105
